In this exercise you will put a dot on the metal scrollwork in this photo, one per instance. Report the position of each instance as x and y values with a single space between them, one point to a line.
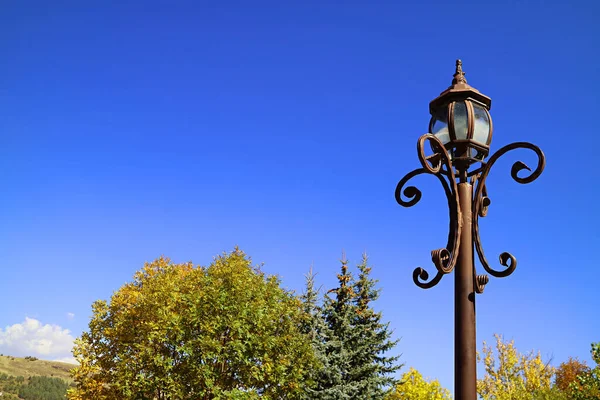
445 258
481 201
480 282
440 165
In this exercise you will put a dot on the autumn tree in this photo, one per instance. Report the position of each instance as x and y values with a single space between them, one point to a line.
567 373
413 386
226 331
510 375
552 393
587 386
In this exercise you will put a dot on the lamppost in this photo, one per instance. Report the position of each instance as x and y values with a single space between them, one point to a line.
460 136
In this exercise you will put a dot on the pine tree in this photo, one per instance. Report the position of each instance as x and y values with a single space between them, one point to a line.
318 332
370 367
349 339
339 312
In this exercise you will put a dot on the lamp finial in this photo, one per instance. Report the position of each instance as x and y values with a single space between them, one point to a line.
459 75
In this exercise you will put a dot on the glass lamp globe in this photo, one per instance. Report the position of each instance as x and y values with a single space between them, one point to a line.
460 119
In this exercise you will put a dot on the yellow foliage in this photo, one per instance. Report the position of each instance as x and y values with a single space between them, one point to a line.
510 375
413 386
183 332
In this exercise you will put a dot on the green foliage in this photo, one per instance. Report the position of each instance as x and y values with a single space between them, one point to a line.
587 386
370 368
33 388
351 341
553 393
44 388
316 329
226 331
10 384
413 386
338 313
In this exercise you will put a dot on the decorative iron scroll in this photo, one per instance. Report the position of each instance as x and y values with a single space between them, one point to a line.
481 201
440 165
444 259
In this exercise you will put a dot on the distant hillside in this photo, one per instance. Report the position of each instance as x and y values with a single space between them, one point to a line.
32 379
23 367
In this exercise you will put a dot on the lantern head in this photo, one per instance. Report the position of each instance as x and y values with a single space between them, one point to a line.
460 119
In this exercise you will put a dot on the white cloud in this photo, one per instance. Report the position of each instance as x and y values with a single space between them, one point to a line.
70 315
68 360
32 338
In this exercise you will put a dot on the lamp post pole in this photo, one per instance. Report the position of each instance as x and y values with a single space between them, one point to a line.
465 345
460 133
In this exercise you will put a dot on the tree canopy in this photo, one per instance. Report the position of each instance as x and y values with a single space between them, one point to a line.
510 375
413 386
226 331
32 388
587 384
567 373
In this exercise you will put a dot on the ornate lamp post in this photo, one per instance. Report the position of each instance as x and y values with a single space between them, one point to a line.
460 136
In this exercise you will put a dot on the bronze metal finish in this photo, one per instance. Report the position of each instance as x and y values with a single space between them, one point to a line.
468 200
465 345
466 149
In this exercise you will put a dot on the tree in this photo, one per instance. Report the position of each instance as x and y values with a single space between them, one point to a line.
32 388
587 386
43 388
413 386
553 393
567 373
226 331
319 334
354 341
370 367
338 313
516 376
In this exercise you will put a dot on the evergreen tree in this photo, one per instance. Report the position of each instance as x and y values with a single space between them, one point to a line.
319 334
44 388
353 341
371 368
339 312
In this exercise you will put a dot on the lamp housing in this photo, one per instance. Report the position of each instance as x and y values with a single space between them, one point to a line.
460 118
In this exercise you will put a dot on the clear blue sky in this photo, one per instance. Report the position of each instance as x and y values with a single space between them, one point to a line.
133 129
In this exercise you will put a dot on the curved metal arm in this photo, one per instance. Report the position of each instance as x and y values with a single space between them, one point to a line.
444 259
481 201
